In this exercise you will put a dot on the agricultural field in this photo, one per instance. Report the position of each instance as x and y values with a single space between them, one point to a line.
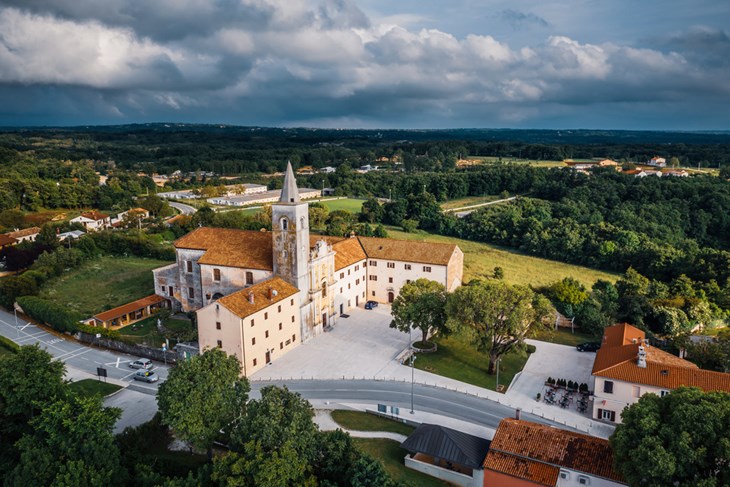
103 284
480 259
353 205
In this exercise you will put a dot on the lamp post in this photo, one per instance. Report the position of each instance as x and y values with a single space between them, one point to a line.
497 388
413 359
17 329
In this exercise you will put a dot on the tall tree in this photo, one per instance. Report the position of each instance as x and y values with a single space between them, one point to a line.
680 439
496 315
202 396
420 305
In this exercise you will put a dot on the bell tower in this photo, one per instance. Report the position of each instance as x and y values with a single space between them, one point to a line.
290 230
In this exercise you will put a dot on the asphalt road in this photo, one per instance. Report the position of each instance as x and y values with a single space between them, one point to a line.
183 208
74 354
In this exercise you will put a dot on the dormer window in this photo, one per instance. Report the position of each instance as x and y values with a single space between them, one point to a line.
284 224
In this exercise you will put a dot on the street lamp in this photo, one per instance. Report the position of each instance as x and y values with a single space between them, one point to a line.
17 329
497 388
413 359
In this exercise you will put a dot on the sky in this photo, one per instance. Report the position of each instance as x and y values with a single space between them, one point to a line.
618 64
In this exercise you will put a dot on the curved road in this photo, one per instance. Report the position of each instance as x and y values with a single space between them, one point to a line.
183 208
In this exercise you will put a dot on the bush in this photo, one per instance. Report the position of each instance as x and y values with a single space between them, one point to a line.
13 287
530 348
409 225
94 330
8 344
50 313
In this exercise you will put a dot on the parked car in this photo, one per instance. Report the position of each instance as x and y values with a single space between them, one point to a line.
588 347
141 363
145 375
371 304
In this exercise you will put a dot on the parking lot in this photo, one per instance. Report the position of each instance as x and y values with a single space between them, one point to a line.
359 346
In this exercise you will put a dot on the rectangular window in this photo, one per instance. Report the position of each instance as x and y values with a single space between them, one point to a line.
249 277
280 326
364 264
217 325
293 338
191 293
426 268
348 272
291 302
373 263
663 393
170 290
267 334
254 362
408 267
342 275
608 415
220 344
288 342
608 386
408 281
564 475
292 319
636 391
266 315
340 290
253 341
163 289
357 282
391 265
278 309
357 268
373 293
252 323
216 274
281 345
373 278
189 265
390 280
583 480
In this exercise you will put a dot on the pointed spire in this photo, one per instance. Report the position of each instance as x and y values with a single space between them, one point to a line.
289 191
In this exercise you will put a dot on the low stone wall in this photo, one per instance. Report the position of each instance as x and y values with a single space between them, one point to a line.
132 349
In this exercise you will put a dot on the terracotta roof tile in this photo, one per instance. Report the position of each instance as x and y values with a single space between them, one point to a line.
408 250
238 303
129 307
24 233
94 215
231 248
621 334
349 251
7 240
523 468
552 446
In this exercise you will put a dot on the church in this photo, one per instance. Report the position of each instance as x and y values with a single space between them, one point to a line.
257 295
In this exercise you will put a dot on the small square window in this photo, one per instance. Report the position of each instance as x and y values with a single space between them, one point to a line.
426 268
391 265
408 267
266 315
217 325
373 293
163 289
608 386
390 280
220 344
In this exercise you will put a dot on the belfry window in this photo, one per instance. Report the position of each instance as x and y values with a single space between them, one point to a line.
324 289
284 224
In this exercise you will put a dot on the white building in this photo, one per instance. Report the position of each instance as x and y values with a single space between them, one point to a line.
327 169
627 367
657 162
93 220
25 235
183 194
330 273
260 197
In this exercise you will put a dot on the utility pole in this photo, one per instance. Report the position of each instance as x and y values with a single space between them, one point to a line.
413 359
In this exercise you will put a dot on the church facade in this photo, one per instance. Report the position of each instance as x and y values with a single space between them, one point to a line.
258 295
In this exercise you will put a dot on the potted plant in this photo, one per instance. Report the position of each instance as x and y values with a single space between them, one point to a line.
537 398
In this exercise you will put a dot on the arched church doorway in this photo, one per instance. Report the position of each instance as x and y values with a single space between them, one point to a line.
391 296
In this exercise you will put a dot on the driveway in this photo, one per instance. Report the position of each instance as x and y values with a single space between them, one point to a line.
359 346
551 360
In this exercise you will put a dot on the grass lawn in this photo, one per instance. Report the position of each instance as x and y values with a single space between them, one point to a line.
480 259
468 201
349 204
563 336
359 421
103 284
92 387
391 455
148 326
457 359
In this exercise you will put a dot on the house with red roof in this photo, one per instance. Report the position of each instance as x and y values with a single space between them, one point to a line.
93 220
627 366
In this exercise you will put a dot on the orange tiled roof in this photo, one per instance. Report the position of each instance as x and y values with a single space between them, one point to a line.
523 468
238 303
617 359
24 233
128 308
7 240
231 248
94 215
349 251
551 446
408 250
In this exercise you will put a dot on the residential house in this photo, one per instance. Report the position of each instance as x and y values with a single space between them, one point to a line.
657 162
627 367
93 220
527 454
677 173
72 235
7 241
327 169
135 215
25 235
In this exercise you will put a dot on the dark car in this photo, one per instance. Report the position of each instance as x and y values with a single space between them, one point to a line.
371 304
588 347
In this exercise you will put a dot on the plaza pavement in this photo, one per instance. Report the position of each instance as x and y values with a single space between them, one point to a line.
363 346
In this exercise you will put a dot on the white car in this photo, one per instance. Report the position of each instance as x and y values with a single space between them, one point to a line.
145 375
141 363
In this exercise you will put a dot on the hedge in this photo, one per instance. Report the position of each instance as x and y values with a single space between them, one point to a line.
94 330
8 344
50 313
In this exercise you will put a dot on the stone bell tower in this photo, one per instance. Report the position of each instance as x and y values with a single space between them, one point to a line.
290 230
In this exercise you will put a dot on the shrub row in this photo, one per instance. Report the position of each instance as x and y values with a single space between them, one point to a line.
94 330
8 344
573 386
50 313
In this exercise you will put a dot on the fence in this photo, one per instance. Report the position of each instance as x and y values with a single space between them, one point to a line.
132 349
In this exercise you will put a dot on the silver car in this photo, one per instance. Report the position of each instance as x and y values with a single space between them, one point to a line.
145 375
141 363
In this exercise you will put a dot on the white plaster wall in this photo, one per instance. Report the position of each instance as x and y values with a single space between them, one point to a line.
232 280
350 287
623 396
377 290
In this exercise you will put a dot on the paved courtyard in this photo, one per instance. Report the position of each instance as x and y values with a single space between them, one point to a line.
360 346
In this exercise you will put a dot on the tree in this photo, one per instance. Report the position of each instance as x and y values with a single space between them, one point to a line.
380 231
680 439
202 396
674 161
72 444
420 305
498 273
372 211
203 217
496 315
317 215
409 225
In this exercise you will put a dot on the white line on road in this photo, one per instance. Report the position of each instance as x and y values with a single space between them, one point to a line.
72 354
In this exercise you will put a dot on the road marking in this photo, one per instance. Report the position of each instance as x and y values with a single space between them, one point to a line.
24 327
55 340
72 354
117 366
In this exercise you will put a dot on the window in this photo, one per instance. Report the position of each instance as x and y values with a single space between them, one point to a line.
293 338
292 319
253 341
249 277
280 326
636 391
608 386
564 475
216 274
390 280
189 264
163 289
340 290
191 293
252 323
663 393
266 334
288 342
281 345
342 275
357 282
324 289
217 325
348 272
408 281
357 268
373 278
254 362
607 414
373 293
391 265
284 224
266 316
364 264
220 344
278 309
170 290
373 263
291 302
348 285
583 480
408 267
426 268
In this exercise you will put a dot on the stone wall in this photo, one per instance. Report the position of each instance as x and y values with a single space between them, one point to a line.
132 349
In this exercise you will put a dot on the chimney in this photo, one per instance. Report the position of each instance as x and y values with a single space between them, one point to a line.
517 414
641 360
271 293
250 297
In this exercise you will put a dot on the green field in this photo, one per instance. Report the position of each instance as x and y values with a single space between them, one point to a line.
91 387
359 421
391 455
103 284
468 201
563 336
459 360
480 259
349 204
